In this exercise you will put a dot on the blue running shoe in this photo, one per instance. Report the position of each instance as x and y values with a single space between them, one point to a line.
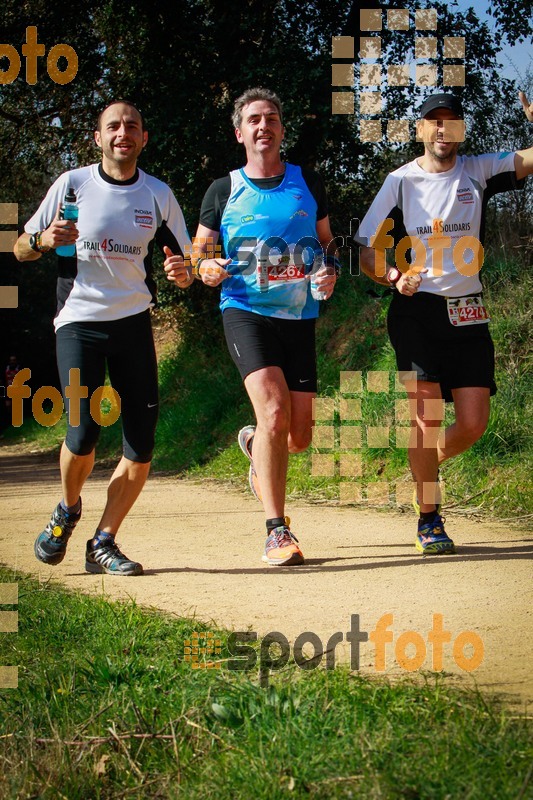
51 545
106 557
432 539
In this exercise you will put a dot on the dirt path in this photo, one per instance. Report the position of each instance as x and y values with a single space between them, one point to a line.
201 548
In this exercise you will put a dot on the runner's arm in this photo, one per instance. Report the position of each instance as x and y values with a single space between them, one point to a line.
326 277
23 251
59 232
209 269
173 238
408 284
523 160
367 261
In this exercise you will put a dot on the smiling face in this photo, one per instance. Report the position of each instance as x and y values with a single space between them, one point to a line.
261 131
441 131
121 138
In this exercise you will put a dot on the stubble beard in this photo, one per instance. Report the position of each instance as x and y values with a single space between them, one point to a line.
448 158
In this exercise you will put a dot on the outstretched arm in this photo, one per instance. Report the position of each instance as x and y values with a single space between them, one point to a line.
523 160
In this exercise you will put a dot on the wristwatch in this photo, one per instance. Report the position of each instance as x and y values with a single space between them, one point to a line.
196 269
393 275
35 243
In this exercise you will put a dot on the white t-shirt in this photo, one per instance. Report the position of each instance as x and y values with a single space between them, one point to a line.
433 207
110 277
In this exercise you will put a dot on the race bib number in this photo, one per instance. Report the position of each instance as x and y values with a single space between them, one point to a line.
282 271
464 311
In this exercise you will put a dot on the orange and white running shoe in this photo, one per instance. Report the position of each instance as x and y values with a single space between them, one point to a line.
282 548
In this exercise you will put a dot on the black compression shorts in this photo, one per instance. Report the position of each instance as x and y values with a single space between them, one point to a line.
256 341
426 342
127 347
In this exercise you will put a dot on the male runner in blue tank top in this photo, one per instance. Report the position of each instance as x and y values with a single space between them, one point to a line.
273 220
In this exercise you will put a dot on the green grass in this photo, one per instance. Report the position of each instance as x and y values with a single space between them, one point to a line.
30 432
203 403
107 707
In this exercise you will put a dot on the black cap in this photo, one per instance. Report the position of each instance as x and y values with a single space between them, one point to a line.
441 101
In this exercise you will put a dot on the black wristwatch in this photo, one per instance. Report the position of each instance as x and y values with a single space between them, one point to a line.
35 243
393 275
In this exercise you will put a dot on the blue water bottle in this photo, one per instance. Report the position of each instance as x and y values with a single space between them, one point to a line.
69 210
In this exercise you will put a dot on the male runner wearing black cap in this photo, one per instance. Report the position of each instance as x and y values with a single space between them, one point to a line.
431 211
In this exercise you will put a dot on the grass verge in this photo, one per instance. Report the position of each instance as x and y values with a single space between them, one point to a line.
107 707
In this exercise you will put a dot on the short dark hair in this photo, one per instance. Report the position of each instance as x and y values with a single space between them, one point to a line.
249 96
115 103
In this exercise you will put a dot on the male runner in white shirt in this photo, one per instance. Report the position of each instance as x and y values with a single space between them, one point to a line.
105 292
431 211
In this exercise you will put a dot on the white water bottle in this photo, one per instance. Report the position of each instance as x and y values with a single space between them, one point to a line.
318 263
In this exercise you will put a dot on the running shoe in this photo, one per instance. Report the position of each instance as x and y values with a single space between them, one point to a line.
106 557
51 545
281 547
245 439
432 539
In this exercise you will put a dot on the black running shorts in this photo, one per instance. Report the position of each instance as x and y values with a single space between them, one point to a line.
127 347
426 342
256 342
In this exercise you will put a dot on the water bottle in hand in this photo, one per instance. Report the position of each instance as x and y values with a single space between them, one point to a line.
318 263
69 210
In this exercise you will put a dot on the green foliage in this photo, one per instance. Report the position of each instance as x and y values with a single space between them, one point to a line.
201 400
184 64
107 707
514 18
